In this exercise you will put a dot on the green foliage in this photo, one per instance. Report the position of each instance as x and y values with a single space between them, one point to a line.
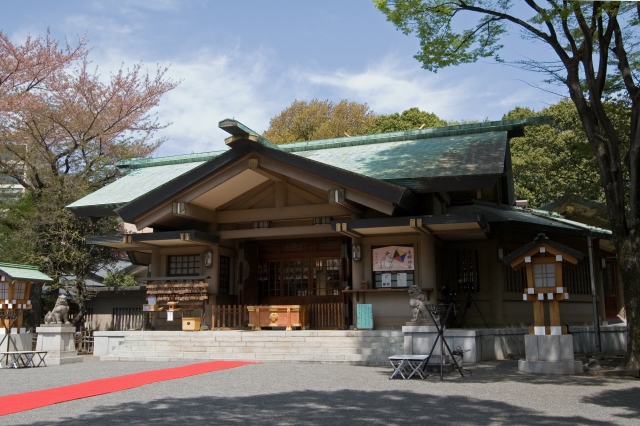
411 119
551 161
305 121
441 44
119 279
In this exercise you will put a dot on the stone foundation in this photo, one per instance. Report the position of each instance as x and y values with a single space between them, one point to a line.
59 342
549 355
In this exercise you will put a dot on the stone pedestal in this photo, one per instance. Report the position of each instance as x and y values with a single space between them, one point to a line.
549 355
58 340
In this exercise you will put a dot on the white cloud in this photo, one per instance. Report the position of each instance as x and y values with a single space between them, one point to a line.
394 85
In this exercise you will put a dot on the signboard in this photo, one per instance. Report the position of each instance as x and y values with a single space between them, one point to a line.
386 280
401 278
393 258
364 317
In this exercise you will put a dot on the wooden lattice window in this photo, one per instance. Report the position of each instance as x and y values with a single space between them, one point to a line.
514 281
326 277
468 269
269 275
578 279
296 278
184 265
4 290
225 275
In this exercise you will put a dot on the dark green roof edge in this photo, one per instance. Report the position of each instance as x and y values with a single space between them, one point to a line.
234 127
138 163
15 265
434 132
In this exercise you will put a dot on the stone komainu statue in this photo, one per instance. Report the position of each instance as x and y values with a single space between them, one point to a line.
60 312
418 303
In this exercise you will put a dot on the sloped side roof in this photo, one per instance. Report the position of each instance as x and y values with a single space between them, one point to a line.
535 219
128 188
23 272
448 156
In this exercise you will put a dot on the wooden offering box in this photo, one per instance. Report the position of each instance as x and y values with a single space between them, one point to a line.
278 316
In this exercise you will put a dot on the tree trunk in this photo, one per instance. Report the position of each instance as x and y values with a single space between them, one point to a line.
629 262
34 319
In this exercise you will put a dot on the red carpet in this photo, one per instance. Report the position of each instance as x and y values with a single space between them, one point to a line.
29 400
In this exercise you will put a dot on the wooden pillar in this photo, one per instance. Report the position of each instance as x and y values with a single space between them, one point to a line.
554 313
426 266
538 313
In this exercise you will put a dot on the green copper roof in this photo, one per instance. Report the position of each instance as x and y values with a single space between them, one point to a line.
23 272
138 163
412 135
476 154
137 183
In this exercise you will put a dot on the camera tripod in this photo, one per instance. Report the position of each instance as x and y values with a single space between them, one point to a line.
468 287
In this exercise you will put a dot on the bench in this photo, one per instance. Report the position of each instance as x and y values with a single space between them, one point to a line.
406 366
19 359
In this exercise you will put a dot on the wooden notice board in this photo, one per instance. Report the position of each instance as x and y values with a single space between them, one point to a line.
364 320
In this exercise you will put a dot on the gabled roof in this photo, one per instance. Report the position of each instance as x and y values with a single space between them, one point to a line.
389 192
388 165
23 273
542 239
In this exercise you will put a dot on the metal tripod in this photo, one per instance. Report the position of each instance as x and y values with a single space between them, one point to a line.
467 305
442 311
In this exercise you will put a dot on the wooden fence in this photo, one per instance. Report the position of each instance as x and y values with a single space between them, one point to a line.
321 316
229 316
84 342
327 315
127 319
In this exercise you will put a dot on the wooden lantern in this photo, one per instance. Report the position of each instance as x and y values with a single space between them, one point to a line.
15 291
543 260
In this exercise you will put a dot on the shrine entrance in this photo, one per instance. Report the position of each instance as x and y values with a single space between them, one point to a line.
302 272
310 273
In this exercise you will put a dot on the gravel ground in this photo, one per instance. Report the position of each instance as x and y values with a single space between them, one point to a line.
310 394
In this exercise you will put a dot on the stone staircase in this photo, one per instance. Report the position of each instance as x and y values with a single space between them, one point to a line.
353 347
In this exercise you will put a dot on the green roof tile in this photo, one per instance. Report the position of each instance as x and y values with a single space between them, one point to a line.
23 272
430 133
137 183
138 163
475 154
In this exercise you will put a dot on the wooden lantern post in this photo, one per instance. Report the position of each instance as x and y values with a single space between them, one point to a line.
543 260
15 290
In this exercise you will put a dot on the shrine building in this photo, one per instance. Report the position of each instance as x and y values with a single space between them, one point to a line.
330 224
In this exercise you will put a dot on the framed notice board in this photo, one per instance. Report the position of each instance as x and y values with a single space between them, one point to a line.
364 319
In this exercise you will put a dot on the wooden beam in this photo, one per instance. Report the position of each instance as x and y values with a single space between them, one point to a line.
283 213
194 212
417 225
306 195
241 198
281 194
445 197
344 229
320 183
256 199
290 231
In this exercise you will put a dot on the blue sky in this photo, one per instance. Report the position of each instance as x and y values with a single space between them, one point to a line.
249 59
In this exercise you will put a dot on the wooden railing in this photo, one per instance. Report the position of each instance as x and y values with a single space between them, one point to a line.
127 319
229 316
327 315
321 315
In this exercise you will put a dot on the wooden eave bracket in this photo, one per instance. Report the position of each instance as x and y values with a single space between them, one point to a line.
418 226
191 211
343 229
